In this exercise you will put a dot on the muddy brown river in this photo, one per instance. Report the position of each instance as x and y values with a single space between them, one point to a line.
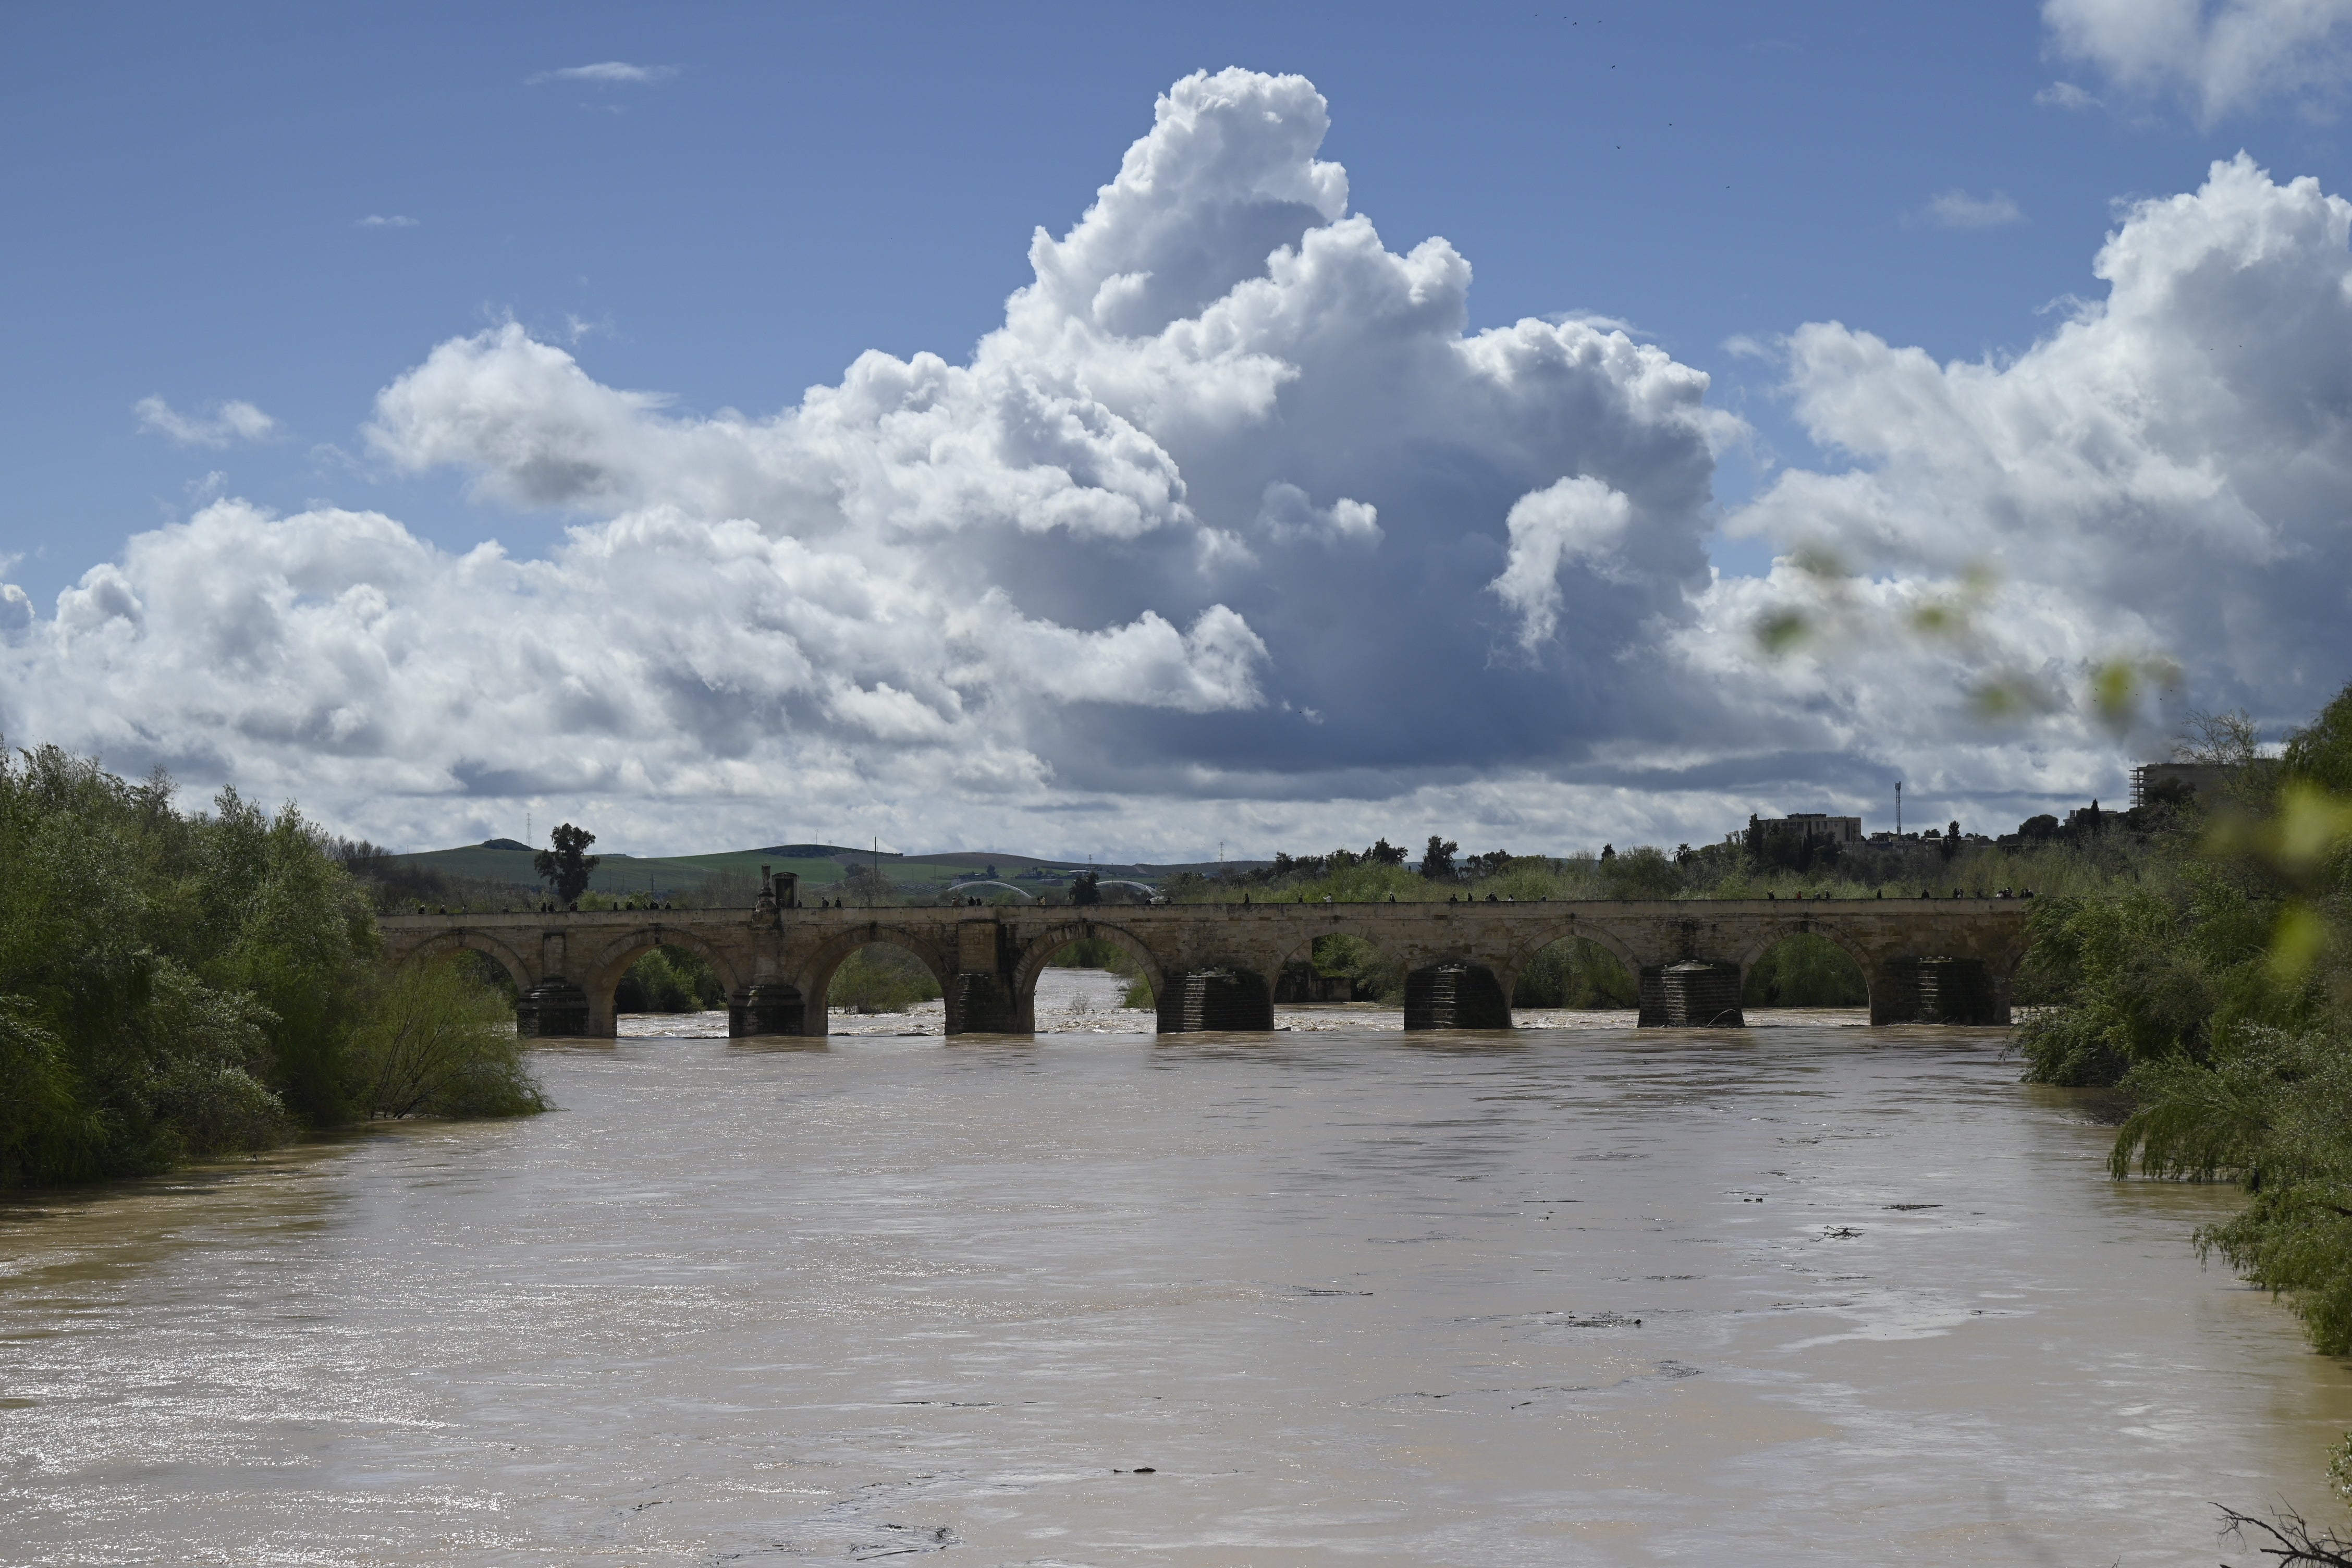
1797 1295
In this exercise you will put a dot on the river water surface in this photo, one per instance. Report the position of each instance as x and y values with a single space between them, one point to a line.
1796 1295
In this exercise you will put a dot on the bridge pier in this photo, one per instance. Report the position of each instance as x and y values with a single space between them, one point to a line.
979 994
1214 967
1223 999
766 1007
1938 989
1691 993
1455 997
980 1003
554 1009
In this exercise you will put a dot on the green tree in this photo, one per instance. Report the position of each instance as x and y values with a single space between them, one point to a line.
2321 754
669 979
1437 859
1086 887
173 986
2215 988
1642 873
1807 970
863 884
567 867
438 1043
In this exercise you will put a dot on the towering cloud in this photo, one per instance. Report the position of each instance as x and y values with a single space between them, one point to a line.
2164 477
1214 513
1233 518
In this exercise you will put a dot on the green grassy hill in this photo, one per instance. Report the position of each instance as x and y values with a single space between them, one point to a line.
818 866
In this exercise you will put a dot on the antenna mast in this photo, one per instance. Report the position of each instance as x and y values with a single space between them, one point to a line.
1898 808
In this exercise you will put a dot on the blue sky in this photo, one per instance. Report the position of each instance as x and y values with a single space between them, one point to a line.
292 207
815 181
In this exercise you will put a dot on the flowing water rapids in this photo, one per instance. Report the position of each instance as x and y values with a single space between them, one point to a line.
1808 1294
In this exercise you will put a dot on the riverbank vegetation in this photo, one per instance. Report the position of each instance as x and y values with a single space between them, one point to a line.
177 985
2213 988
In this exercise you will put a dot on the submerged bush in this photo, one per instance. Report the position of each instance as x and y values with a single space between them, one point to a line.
1575 974
437 1042
881 978
1807 970
669 979
2274 1111
172 986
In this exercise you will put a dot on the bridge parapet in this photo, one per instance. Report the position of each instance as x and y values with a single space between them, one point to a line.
1214 967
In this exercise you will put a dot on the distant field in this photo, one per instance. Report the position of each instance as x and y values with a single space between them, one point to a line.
818 866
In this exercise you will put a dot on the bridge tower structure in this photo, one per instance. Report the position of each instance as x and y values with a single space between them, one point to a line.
1212 967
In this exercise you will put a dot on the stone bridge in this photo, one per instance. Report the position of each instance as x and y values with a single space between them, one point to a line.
1215 966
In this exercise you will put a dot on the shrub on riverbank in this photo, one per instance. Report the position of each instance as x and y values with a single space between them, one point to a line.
438 1043
2232 916
2215 990
172 986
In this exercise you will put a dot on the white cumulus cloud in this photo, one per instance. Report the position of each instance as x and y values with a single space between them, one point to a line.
608 73
2224 55
2164 477
1229 460
1577 522
1958 209
1220 535
384 220
235 420
1288 514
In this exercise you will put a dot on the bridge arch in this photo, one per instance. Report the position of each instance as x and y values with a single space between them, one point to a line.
991 882
1535 971
1772 934
444 945
1279 958
1599 934
814 978
610 963
1806 963
1040 948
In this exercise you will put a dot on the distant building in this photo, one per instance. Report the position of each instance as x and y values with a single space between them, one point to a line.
1812 826
2177 781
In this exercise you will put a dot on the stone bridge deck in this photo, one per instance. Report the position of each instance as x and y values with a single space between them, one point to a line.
1215 966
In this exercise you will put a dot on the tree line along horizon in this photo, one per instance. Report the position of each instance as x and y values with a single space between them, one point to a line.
565 868
1803 971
